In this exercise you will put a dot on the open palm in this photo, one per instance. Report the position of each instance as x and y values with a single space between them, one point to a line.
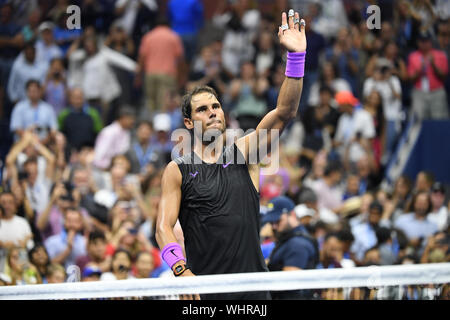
294 38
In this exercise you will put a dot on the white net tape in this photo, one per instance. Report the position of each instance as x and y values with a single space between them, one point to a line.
421 274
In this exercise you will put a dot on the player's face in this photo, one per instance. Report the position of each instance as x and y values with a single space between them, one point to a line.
207 109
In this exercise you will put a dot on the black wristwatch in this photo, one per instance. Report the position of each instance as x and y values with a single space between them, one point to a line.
179 270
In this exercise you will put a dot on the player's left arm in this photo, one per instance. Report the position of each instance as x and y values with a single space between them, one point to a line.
294 40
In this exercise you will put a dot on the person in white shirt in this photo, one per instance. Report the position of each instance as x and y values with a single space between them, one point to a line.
439 212
355 127
46 47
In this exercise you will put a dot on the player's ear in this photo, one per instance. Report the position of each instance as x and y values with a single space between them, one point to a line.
188 123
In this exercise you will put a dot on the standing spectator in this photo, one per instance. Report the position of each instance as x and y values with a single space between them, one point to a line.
25 68
80 123
114 139
345 57
128 11
69 244
46 48
439 214
160 58
355 127
55 85
389 87
186 19
33 113
427 69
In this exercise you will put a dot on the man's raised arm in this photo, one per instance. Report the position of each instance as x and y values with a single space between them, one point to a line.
292 37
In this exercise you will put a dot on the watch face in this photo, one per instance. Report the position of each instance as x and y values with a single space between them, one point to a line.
179 268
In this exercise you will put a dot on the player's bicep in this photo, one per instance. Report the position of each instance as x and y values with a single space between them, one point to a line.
169 204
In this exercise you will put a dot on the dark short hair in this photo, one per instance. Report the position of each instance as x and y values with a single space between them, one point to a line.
333 166
126 111
186 106
31 82
96 235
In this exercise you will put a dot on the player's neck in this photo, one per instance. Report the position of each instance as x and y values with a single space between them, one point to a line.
209 151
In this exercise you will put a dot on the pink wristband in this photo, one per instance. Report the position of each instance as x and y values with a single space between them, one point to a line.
295 64
172 253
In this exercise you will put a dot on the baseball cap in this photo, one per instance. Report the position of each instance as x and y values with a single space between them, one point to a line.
346 97
89 271
277 206
424 35
303 211
438 187
162 122
270 191
46 25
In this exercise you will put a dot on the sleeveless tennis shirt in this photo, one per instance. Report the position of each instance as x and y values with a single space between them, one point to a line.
219 215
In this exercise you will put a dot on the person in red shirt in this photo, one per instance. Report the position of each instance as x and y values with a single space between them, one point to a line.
161 56
427 70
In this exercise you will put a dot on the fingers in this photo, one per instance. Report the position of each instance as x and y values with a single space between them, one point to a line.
302 25
291 19
296 18
283 18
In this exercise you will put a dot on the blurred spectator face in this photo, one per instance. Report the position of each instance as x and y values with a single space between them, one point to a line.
374 216
278 76
34 92
57 276
265 41
121 263
8 204
90 46
207 55
325 97
366 200
363 166
144 133
73 221
353 184
39 257
372 257
374 98
422 183
333 249
391 50
30 53
14 260
118 34
31 170
5 13
144 265
424 45
342 36
387 33
56 67
47 36
118 173
127 122
402 188
130 237
444 33
437 199
282 225
81 180
247 71
328 71
97 249
121 161
421 204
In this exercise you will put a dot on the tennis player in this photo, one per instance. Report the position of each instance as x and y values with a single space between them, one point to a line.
214 195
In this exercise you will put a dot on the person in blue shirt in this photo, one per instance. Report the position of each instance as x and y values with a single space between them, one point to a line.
186 19
33 113
294 248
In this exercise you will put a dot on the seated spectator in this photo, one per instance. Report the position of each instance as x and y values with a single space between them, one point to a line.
353 187
39 258
424 181
19 270
439 213
388 249
142 154
25 68
96 253
327 189
65 247
114 139
15 232
415 224
33 113
80 123
427 70
144 265
160 141
56 273
120 267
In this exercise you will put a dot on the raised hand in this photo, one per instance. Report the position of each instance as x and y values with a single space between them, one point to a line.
292 32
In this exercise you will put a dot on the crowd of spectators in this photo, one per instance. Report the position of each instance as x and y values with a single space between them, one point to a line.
87 116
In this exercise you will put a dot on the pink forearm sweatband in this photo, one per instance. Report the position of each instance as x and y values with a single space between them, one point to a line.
295 64
172 253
